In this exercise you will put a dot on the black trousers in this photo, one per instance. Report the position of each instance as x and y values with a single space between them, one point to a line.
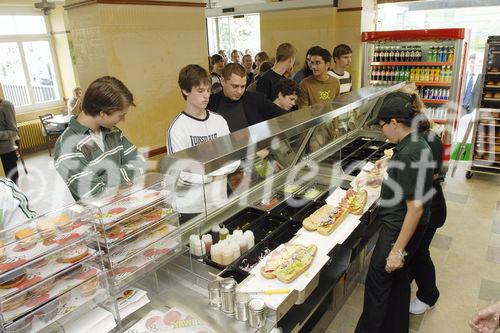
421 267
9 163
387 295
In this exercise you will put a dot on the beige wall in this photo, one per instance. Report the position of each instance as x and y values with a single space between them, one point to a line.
318 26
145 47
302 27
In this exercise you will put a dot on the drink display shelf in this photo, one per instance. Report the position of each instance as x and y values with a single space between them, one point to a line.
411 63
435 101
433 83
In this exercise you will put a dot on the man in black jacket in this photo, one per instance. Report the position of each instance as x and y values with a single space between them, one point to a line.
240 108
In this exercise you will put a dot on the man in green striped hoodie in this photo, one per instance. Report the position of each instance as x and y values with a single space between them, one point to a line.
92 154
14 208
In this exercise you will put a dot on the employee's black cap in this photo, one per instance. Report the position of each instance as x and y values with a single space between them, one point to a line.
398 105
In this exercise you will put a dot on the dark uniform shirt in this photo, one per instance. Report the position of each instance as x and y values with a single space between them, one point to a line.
409 178
434 142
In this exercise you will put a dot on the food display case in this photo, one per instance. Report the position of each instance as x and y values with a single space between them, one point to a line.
433 59
160 254
51 269
486 131
137 231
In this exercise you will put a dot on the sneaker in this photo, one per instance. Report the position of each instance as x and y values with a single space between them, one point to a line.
418 307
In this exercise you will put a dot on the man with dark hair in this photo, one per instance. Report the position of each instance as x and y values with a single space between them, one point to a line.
218 64
236 57
342 55
286 93
247 63
240 108
319 87
93 154
305 71
191 127
285 58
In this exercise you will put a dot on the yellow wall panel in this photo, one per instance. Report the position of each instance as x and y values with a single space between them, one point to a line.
316 26
145 47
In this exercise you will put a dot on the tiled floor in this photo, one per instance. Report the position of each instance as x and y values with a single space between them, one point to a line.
45 189
466 253
466 250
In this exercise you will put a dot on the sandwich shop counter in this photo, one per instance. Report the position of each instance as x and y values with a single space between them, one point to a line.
269 228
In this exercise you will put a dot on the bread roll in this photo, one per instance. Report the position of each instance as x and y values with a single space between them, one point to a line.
497 95
488 95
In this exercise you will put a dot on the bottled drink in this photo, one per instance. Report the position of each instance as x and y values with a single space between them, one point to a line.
447 95
386 53
431 54
419 53
412 74
426 74
407 74
426 93
375 53
451 55
397 56
391 54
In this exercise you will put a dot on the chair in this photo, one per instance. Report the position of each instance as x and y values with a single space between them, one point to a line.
50 131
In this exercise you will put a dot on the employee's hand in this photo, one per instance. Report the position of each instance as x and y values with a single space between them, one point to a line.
395 260
486 320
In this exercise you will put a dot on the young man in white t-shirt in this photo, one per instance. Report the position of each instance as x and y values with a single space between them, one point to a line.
342 55
191 127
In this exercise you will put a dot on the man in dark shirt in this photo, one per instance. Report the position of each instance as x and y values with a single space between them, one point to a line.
285 58
240 108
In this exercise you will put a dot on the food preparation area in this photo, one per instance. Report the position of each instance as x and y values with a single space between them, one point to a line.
466 254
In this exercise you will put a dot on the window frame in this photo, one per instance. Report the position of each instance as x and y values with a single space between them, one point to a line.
19 40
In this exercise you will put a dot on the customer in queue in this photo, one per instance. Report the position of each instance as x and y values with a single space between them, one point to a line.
14 206
404 212
193 126
260 57
92 154
286 94
342 57
9 135
247 64
320 87
240 108
305 71
285 59
218 64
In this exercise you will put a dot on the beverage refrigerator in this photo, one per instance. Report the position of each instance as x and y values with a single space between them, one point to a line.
433 59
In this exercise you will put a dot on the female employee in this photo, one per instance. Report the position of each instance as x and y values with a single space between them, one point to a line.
421 266
403 215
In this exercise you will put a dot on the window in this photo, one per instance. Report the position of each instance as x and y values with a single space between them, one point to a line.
238 32
27 72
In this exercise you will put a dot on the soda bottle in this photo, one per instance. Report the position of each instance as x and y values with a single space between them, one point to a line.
412 74
392 75
407 74
419 53
451 55
397 56
427 74
431 54
426 93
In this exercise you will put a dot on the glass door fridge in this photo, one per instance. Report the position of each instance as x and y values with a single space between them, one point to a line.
433 59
